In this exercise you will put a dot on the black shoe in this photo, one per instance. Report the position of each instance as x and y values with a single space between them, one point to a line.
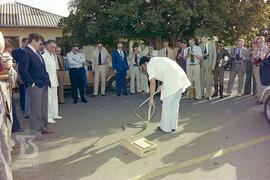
103 94
126 94
159 129
173 130
75 102
84 101
94 95
215 94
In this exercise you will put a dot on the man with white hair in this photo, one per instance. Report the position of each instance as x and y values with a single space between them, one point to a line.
50 64
174 83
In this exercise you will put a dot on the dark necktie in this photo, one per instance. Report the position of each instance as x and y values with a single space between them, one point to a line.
166 52
238 51
205 49
136 59
39 56
99 58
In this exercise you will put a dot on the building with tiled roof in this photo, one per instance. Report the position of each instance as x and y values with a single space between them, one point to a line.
17 20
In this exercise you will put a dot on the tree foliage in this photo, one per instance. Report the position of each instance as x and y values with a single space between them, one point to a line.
109 20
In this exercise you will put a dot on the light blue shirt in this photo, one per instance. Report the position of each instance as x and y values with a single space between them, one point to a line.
75 60
198 52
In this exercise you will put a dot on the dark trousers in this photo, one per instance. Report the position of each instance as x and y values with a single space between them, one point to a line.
77 76
218 73
121 83
183 64
38 109
249 79
16 124
22 96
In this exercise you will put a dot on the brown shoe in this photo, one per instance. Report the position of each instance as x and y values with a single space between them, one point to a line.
48 132
39 137
16 146
15 152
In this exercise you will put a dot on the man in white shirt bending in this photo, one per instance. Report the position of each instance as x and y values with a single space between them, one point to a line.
174 83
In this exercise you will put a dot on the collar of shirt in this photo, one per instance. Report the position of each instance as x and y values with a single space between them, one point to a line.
46 51
120 52
32 48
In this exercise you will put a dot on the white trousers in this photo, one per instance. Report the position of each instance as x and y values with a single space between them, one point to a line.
144 82
100 74
52 103
170 112
135 74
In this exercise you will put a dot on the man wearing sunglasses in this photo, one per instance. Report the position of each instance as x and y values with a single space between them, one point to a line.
261 49
223 57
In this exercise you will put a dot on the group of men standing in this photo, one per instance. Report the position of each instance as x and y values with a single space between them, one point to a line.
205 64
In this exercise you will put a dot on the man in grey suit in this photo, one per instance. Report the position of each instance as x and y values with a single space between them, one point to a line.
239 54
36 78
256 59
208 64
250 80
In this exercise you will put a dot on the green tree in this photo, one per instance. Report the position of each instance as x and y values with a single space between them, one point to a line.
109 20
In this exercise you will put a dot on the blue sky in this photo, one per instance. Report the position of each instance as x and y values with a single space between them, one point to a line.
55 6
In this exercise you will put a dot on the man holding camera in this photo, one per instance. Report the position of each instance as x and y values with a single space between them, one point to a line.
193 55
208 64
223 57
239 54
5 112
257 60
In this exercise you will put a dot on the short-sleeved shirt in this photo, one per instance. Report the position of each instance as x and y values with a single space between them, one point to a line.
169 73
75 60
197 50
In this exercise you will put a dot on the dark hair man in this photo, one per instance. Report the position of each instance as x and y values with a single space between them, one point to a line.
36 79
174 83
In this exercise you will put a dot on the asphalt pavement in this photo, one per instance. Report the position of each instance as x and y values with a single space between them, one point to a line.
226 139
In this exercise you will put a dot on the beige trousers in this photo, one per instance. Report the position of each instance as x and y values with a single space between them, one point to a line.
257 77
61 79
193 74
100 75
135 74
144 82
5 150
